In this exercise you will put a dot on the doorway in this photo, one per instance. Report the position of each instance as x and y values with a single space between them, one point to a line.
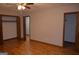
9 27
70 29
26 22
74 33
27 25
27 33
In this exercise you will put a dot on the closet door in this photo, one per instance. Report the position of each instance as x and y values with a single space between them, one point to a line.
9 27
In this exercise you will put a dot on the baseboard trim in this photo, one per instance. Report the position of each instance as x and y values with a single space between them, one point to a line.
10 39
47 43
36 41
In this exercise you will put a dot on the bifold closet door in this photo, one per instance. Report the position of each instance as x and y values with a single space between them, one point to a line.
9 27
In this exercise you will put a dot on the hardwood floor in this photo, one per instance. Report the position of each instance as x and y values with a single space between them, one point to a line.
14 47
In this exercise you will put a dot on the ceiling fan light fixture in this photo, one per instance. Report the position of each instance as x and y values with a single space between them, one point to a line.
21 7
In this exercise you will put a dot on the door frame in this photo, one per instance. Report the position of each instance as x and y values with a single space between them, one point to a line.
24 27
64 25
18 29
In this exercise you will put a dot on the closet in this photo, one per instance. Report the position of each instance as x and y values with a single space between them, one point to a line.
9 27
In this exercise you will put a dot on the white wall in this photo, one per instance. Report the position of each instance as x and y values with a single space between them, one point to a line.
47 24
9 28
70 27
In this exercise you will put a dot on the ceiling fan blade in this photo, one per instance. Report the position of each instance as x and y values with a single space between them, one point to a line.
29 3
27 7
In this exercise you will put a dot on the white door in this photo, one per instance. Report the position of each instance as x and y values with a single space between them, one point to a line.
27 25
70 27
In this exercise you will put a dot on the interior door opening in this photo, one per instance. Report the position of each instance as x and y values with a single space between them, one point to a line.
70 30
26 26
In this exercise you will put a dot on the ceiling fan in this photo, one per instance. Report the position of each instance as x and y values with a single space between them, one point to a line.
23 6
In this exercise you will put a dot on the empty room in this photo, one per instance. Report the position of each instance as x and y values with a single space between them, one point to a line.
39 28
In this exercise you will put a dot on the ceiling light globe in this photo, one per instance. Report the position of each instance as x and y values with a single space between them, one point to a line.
19 7
23 7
